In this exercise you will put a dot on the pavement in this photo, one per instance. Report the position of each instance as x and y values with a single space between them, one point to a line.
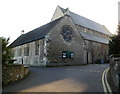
87 78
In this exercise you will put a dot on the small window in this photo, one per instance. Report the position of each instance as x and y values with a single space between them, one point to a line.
72 55
37 48
13 52
67 54
26 51
19 52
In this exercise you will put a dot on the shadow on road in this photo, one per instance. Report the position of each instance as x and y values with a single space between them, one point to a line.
69 79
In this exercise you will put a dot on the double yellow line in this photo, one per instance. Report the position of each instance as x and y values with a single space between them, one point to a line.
106 87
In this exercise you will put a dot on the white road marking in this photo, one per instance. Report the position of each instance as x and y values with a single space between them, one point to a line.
109 89
106 86
83 70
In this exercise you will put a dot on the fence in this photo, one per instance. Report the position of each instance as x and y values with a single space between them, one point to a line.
115 71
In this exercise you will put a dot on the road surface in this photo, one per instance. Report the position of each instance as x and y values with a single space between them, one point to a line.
87 78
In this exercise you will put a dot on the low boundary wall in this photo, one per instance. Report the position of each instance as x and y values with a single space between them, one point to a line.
12 73
115 71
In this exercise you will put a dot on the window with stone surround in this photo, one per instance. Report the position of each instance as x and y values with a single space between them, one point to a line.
19 52
13 52
37 48
26 51
67 32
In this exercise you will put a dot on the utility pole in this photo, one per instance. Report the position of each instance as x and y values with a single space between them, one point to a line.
119 18
119 12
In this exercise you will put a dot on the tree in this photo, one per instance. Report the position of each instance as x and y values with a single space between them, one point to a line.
114 43
118 30
6 50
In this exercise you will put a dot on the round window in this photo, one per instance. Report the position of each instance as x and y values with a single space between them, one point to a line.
67 32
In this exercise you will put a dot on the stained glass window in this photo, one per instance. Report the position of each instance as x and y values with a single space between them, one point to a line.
67 32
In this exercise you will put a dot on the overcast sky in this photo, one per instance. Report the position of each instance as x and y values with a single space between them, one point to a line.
18 15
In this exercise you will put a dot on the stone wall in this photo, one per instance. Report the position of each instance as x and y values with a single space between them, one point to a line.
115 71
12 73
52 46
93 32
58 44
96 51
31 59
57 14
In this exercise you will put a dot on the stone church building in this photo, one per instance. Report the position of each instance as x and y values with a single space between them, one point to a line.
69 39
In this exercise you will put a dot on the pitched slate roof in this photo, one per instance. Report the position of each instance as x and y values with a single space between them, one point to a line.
93 38
38 33
82 21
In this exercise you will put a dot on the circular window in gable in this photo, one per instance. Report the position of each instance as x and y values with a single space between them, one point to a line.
67 32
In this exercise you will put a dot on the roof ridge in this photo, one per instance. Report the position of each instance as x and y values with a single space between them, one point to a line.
35 34
80 15
86 18
63 10
88 23
44 24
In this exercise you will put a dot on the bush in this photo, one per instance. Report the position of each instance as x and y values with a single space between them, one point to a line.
6 50
114 43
